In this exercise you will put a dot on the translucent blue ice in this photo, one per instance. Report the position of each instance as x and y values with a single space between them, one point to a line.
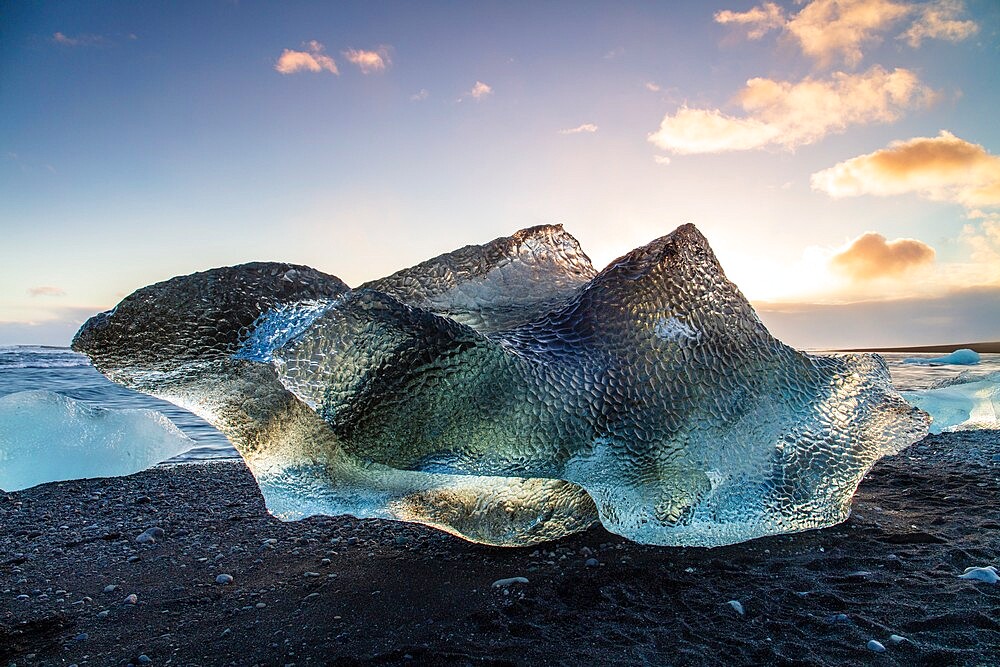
963 357
47 437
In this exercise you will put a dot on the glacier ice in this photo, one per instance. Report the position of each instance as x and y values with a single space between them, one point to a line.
962 357
510 394
45 437
961 403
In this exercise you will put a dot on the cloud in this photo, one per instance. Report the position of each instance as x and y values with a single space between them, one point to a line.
46 290
939 20
758 20
311 60
420 95
871 256
369 61
786 114
652 87
614 53
941 168
836 30
480 90
79 40
580 129
661 159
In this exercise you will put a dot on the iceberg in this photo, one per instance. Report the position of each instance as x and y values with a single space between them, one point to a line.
965 402
509 394
45 437
963 357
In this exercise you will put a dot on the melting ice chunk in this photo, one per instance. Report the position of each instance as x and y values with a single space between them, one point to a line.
963 403
48 437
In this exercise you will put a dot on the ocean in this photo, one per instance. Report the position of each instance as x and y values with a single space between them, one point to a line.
59 369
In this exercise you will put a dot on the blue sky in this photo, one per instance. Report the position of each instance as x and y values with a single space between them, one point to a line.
140 141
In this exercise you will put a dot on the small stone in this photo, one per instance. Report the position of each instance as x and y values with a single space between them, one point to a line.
132 559
82 637
737 607
875 646
103 614
310 574
226 633
132 599
591 562
23 596
401 539
145 660
325 561
898 639
352 540
110 588
260 605
504 583
224 579
150 535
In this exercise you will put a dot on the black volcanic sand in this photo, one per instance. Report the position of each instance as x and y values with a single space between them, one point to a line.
337 590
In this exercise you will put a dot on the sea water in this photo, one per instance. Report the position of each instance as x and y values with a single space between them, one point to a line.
59 369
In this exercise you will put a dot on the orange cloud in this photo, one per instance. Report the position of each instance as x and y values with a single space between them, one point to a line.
830 30
480 90
941 168
46 290
311 60
369 61
787 115
758 21
871 256
939 20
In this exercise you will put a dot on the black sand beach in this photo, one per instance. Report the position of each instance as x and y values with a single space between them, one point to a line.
342 591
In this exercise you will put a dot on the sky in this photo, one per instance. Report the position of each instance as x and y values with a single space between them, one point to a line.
841 156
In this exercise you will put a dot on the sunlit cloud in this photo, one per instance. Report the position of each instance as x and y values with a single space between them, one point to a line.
652 87
941 168
79 40
838 30
46 290
872 256
661 159
479 91
311 60
369 61
758 21
614 53
939 20
420 95
788 114
580 129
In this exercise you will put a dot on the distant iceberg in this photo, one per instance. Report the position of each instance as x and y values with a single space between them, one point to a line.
963 357
510 394
46 437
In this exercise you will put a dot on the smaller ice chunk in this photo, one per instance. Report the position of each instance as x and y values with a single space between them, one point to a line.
48 437
987 574
963 403
963 357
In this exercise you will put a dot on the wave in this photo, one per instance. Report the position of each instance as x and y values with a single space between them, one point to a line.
40 356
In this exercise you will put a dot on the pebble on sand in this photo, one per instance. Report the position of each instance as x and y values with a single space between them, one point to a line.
987 574
224 579
875 646
737 607
898 639
132 599
150 535
504 583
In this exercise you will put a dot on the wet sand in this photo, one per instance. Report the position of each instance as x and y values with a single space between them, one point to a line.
342 591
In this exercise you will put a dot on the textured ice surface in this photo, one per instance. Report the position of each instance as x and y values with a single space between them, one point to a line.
509 394
47 437
965 402
963 357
